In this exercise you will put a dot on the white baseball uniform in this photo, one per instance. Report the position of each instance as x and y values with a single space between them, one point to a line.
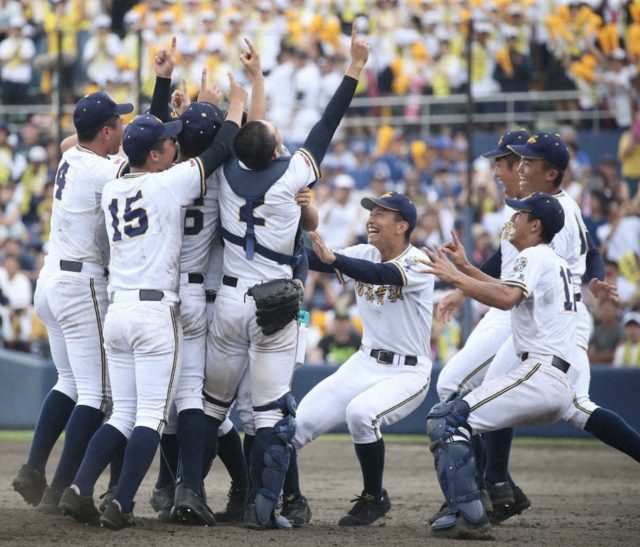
366 392
145 219
570 244
544 330
467 368
235 336
71 295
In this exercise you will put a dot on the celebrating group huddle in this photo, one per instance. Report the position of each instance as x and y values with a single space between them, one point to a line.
172 288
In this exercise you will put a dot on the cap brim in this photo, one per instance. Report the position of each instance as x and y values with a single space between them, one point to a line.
370 203
170 129
496 153
124 108
524 151
518 204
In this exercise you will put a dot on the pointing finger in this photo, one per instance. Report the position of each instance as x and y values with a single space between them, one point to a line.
203 79
173 47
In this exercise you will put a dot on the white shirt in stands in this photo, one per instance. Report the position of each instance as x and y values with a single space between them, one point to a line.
144 216
279 216
396 318
77 221
545 319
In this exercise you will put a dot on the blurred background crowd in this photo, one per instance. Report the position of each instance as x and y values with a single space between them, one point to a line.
418 50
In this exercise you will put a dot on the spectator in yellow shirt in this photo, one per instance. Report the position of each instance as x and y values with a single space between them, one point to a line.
629 155
627 353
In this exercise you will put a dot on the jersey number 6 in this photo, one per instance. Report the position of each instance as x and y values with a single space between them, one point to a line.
136 222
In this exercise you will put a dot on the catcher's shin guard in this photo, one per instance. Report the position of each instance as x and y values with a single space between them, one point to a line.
269 462
454 461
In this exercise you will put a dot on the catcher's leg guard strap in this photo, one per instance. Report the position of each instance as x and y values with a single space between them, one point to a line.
269 462
454 461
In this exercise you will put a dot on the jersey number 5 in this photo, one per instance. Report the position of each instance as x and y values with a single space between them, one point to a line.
135 219
569 294
194 219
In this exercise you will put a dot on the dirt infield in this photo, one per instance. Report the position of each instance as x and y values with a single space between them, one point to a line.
581 495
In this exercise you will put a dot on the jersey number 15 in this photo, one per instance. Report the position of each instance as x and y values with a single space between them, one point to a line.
135 218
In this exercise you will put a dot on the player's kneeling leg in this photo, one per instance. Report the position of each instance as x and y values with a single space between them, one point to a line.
455 467
269 462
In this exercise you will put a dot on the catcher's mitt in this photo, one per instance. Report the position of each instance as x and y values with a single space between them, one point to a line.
277 303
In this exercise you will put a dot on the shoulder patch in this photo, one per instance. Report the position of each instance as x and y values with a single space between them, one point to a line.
520 264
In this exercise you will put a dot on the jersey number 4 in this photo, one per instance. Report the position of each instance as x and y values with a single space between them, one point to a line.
135 218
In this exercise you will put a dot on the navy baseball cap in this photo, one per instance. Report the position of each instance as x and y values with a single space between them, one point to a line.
518 136
394 202
144 132
544 207
544 146
96 109
200 123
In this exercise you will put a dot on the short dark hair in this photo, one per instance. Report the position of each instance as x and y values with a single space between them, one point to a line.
90 134
512 159
254 145
545 234
548 166
140 159
399 218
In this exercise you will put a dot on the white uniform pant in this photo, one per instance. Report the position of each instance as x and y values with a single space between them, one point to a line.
365 395
143 341
467 368
533 393
72 305
235 341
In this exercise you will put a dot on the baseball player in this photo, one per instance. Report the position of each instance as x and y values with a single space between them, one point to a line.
544 160
539 290
71 299
388 377
145 218
259 224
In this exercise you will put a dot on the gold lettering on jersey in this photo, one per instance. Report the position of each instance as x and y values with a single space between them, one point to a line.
507 230
377 293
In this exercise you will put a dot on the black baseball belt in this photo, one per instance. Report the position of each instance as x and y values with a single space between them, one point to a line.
196 278
386 357
210 295
556 361
75 266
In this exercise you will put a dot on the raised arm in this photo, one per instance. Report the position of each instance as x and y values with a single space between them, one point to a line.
164 62
319 138
250 59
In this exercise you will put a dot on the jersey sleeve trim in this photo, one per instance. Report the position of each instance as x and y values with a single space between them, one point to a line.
402 273
314 165
203 177
518 285
339 276
122 169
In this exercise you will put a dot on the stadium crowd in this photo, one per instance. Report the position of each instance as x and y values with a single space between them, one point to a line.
418 47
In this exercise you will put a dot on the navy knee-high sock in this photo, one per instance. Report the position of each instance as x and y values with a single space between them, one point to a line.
498 446
291 485
611 429
231 455
168 460
210 449
140 451
103 446
480 455
371 456
83 423
115 467
247 447
191 447
54 414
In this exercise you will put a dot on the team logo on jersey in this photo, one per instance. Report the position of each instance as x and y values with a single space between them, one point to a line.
409 262
377 293
507 230
520 264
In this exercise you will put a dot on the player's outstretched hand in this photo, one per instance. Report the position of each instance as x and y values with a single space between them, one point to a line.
237 93
448 305
359 54
324 253
180 100
250 59
209 93
455 250
165 60
440 265
603 290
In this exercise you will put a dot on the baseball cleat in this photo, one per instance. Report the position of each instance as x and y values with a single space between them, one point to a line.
502 501
455 526
79 507
162 502
236 506
30 484
50 501
277 521
504 510
366 510
113 517
106 498
444 509
296 509
190 508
